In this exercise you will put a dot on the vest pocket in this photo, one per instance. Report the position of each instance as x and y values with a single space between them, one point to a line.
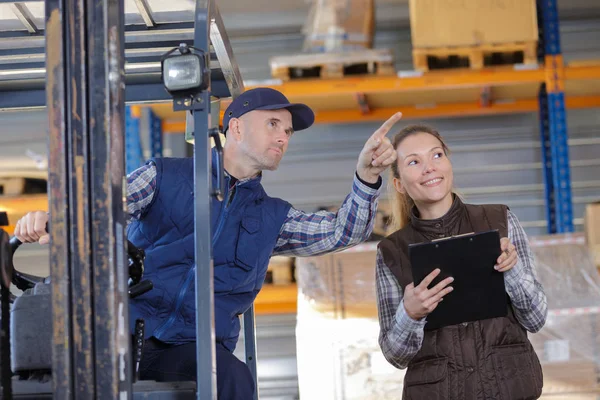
247 255
247 251
427 380
514 372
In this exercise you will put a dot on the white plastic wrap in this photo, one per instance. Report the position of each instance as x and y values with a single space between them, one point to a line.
337 333
339 25
569 344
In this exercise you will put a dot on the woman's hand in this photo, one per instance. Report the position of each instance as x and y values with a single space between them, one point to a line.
508 259
420 301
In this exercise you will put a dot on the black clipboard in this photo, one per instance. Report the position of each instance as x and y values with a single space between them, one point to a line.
479 291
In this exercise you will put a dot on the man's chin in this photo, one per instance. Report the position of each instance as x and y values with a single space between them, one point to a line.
271 167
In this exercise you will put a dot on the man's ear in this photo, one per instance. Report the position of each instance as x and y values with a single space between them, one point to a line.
398 185
235 129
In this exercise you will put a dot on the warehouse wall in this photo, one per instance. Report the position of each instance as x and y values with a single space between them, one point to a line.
496 159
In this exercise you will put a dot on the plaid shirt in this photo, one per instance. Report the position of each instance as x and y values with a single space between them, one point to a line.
400 336
302 234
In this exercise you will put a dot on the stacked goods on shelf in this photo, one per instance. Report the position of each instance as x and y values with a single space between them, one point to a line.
338 43
339 25
338 325
473 33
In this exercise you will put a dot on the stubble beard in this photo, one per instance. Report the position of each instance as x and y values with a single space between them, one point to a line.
262 161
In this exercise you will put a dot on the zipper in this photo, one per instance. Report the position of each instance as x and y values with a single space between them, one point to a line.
184 288
159 331
223 214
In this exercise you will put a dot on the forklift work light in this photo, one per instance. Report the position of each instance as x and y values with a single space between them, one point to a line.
185 74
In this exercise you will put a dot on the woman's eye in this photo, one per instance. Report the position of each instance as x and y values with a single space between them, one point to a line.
413 162
439 155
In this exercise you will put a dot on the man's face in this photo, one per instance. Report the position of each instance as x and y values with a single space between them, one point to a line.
264 136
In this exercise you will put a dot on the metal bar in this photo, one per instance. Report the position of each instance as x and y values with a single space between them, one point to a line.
35 98
205 333
222 46
84 365
57 93
544 120
146 12
558 156
250 345
363 103
561 175
156 135
133 34
550 26
24 15
106 114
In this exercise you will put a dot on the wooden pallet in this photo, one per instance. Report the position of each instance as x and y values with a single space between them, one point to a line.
475 57
333 65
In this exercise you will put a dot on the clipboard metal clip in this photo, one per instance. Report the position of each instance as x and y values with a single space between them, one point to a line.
452 237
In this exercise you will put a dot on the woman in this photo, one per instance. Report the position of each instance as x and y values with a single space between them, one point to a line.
486 359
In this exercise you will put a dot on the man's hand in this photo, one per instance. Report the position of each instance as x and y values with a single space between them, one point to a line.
420 301
508 259
378 153
32 228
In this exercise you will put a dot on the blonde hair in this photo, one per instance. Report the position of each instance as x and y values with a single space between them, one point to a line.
401 203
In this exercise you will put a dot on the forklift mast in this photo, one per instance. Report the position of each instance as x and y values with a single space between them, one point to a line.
84 85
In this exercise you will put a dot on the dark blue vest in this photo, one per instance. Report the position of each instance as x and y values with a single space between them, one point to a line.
245 227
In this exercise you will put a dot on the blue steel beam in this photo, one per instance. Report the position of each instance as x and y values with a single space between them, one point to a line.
561 174
156 135
546 158
553 123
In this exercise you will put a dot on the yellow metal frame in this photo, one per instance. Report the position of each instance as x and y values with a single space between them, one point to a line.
444 93
277 299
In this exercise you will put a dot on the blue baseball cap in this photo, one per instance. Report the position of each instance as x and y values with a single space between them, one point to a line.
268 99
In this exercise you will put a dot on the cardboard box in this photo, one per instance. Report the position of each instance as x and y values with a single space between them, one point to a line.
280 270
340 285
592 230
442 23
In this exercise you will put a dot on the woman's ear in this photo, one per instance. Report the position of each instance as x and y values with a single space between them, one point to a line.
398 185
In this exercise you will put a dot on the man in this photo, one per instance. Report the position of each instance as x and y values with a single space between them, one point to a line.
248 227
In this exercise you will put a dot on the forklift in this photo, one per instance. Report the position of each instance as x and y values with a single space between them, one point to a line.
84 85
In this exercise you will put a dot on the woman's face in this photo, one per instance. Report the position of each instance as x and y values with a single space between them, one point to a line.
425 171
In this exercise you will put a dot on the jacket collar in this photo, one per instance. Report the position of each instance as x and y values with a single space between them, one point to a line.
445 225
248 182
